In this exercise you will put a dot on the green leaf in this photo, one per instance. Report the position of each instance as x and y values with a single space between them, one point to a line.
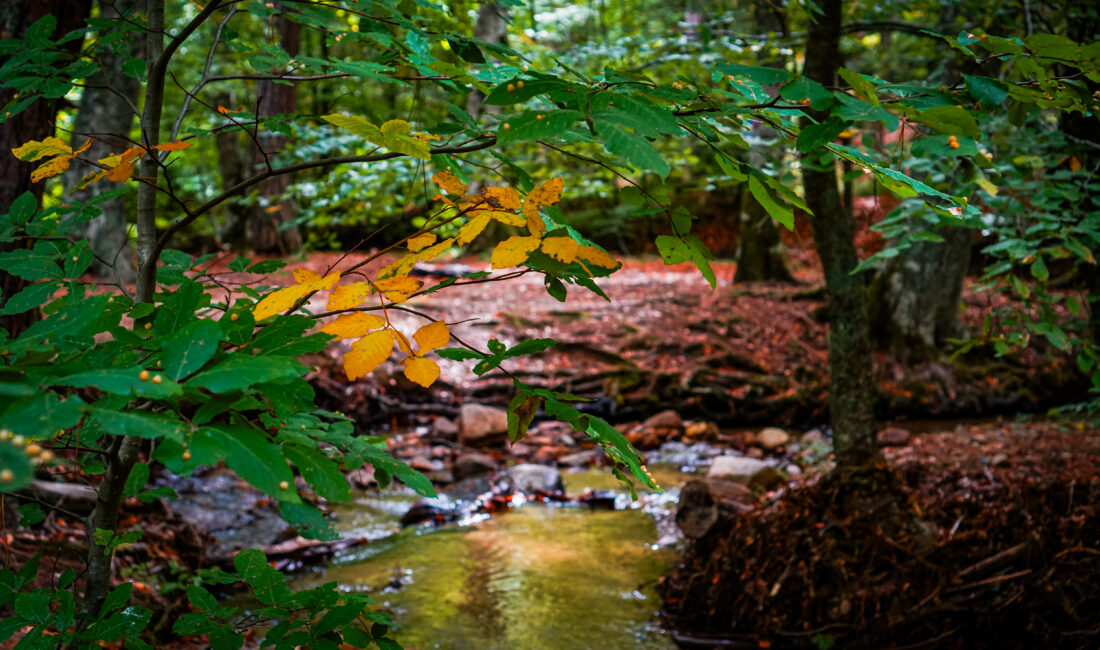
672 250
117 599
989 92
383 461
201 599
530 346
658 118
1039 269
33 607
39 263
268 585
950 120
529 127
781 212
555 288
502 96
35 295
240 370
139 476
133 423
759 74
256 459
815 135
42 415
862 86
322 474
803 88
190 347
13 458
701 255
459 354
631 148
122 381
128 622
308 521
30 514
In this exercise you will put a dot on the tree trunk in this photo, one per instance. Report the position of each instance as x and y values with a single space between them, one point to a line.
108 107
918 307
851 385
491 27
760 250
34 123
263 228
922 288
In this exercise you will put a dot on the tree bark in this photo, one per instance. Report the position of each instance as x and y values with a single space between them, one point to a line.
34 123
760 250
263 229
851 385
108 107
491 27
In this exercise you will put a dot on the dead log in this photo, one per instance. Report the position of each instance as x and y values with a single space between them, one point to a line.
71 497
710 504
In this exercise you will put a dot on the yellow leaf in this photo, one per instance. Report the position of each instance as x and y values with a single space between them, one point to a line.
279 301
513 251
50 168
535 224
303 276
84 147
597 257
396 127
347 296
435 251
325 283
472 229
507 218
449 182
356 125
172 146
503 197
351 326
440 197
421 371
91 178
123 169
399 267
421 241
403 342
35 149
432 336
403 283
368 353
548 193
563 249
396 297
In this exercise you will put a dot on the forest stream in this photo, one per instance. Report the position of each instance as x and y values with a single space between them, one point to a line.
536 575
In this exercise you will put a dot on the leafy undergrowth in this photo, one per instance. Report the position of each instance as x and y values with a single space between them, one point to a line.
1014 563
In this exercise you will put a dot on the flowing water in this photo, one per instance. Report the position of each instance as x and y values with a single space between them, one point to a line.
538 576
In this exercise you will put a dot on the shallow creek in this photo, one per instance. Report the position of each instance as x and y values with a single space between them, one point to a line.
536 576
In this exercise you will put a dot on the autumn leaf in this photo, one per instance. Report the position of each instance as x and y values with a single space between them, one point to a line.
122 165
368 353
548 193
172 146
356 125
302 276
503 197
404 284
513 251
403 342
280 301
472 229
432 337
563 249
507 218
434 251
535 225
421 371
421 241
351 326
50 168
450 183
35 149
347 296
399 267
597 257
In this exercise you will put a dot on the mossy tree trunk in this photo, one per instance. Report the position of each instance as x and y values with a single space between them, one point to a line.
852 385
